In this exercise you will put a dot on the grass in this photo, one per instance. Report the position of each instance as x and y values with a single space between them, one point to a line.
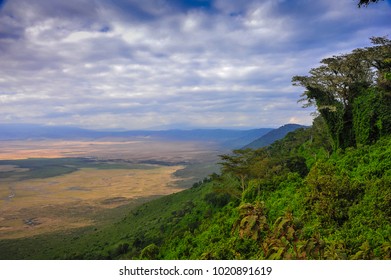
67 193
84 206
50 167
137 224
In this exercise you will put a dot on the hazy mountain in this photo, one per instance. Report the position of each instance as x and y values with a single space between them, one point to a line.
273 135
226 137
246 137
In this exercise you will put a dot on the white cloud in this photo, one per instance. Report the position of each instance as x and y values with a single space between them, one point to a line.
141 64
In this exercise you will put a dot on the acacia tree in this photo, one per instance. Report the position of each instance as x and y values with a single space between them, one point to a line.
238 164
334 86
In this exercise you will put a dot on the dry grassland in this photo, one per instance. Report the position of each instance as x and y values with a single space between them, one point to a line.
35 206
29 207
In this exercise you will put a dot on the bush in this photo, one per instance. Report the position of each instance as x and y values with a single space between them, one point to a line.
217 200
330 193
150 252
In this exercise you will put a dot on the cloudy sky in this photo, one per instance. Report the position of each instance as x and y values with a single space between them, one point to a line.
155 64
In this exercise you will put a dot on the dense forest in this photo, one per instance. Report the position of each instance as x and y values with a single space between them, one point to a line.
322 192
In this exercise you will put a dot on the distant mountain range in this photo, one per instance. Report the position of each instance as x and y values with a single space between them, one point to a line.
228 138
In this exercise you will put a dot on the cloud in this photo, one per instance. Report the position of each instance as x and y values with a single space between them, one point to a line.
140 64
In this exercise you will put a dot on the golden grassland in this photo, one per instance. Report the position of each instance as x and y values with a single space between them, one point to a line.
35 206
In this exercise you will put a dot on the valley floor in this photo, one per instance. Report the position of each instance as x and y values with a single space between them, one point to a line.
53 185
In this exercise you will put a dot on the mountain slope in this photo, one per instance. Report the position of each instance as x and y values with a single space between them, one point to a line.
273 136
247 137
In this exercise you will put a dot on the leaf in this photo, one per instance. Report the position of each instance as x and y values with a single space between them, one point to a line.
290 233
277 255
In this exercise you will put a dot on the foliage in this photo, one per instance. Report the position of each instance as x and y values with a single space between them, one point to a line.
150 252
331 193
334 86
252 221
367 2
237 164
371 116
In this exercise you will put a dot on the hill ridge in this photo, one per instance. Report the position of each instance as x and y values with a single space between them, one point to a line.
273 135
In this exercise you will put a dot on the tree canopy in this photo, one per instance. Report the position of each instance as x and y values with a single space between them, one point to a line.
335 86
367 2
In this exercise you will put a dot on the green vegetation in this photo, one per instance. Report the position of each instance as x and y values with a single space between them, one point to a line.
34 168
322 192
346 85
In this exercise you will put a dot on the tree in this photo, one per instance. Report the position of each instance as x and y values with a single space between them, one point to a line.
367 2
380 59
238 164
334 86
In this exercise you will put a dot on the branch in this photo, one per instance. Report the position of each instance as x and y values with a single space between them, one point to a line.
367 2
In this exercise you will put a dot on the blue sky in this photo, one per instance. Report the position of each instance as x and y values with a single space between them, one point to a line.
156 64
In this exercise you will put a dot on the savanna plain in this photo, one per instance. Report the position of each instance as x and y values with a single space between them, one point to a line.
49 186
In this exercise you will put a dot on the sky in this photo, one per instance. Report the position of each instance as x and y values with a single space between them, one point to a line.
163 64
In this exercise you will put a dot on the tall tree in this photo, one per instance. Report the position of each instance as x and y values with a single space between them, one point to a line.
238 164
334 86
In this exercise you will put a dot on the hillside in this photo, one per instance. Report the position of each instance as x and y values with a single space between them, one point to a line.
272 136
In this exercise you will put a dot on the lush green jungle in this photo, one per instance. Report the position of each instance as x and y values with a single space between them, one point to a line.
322 192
